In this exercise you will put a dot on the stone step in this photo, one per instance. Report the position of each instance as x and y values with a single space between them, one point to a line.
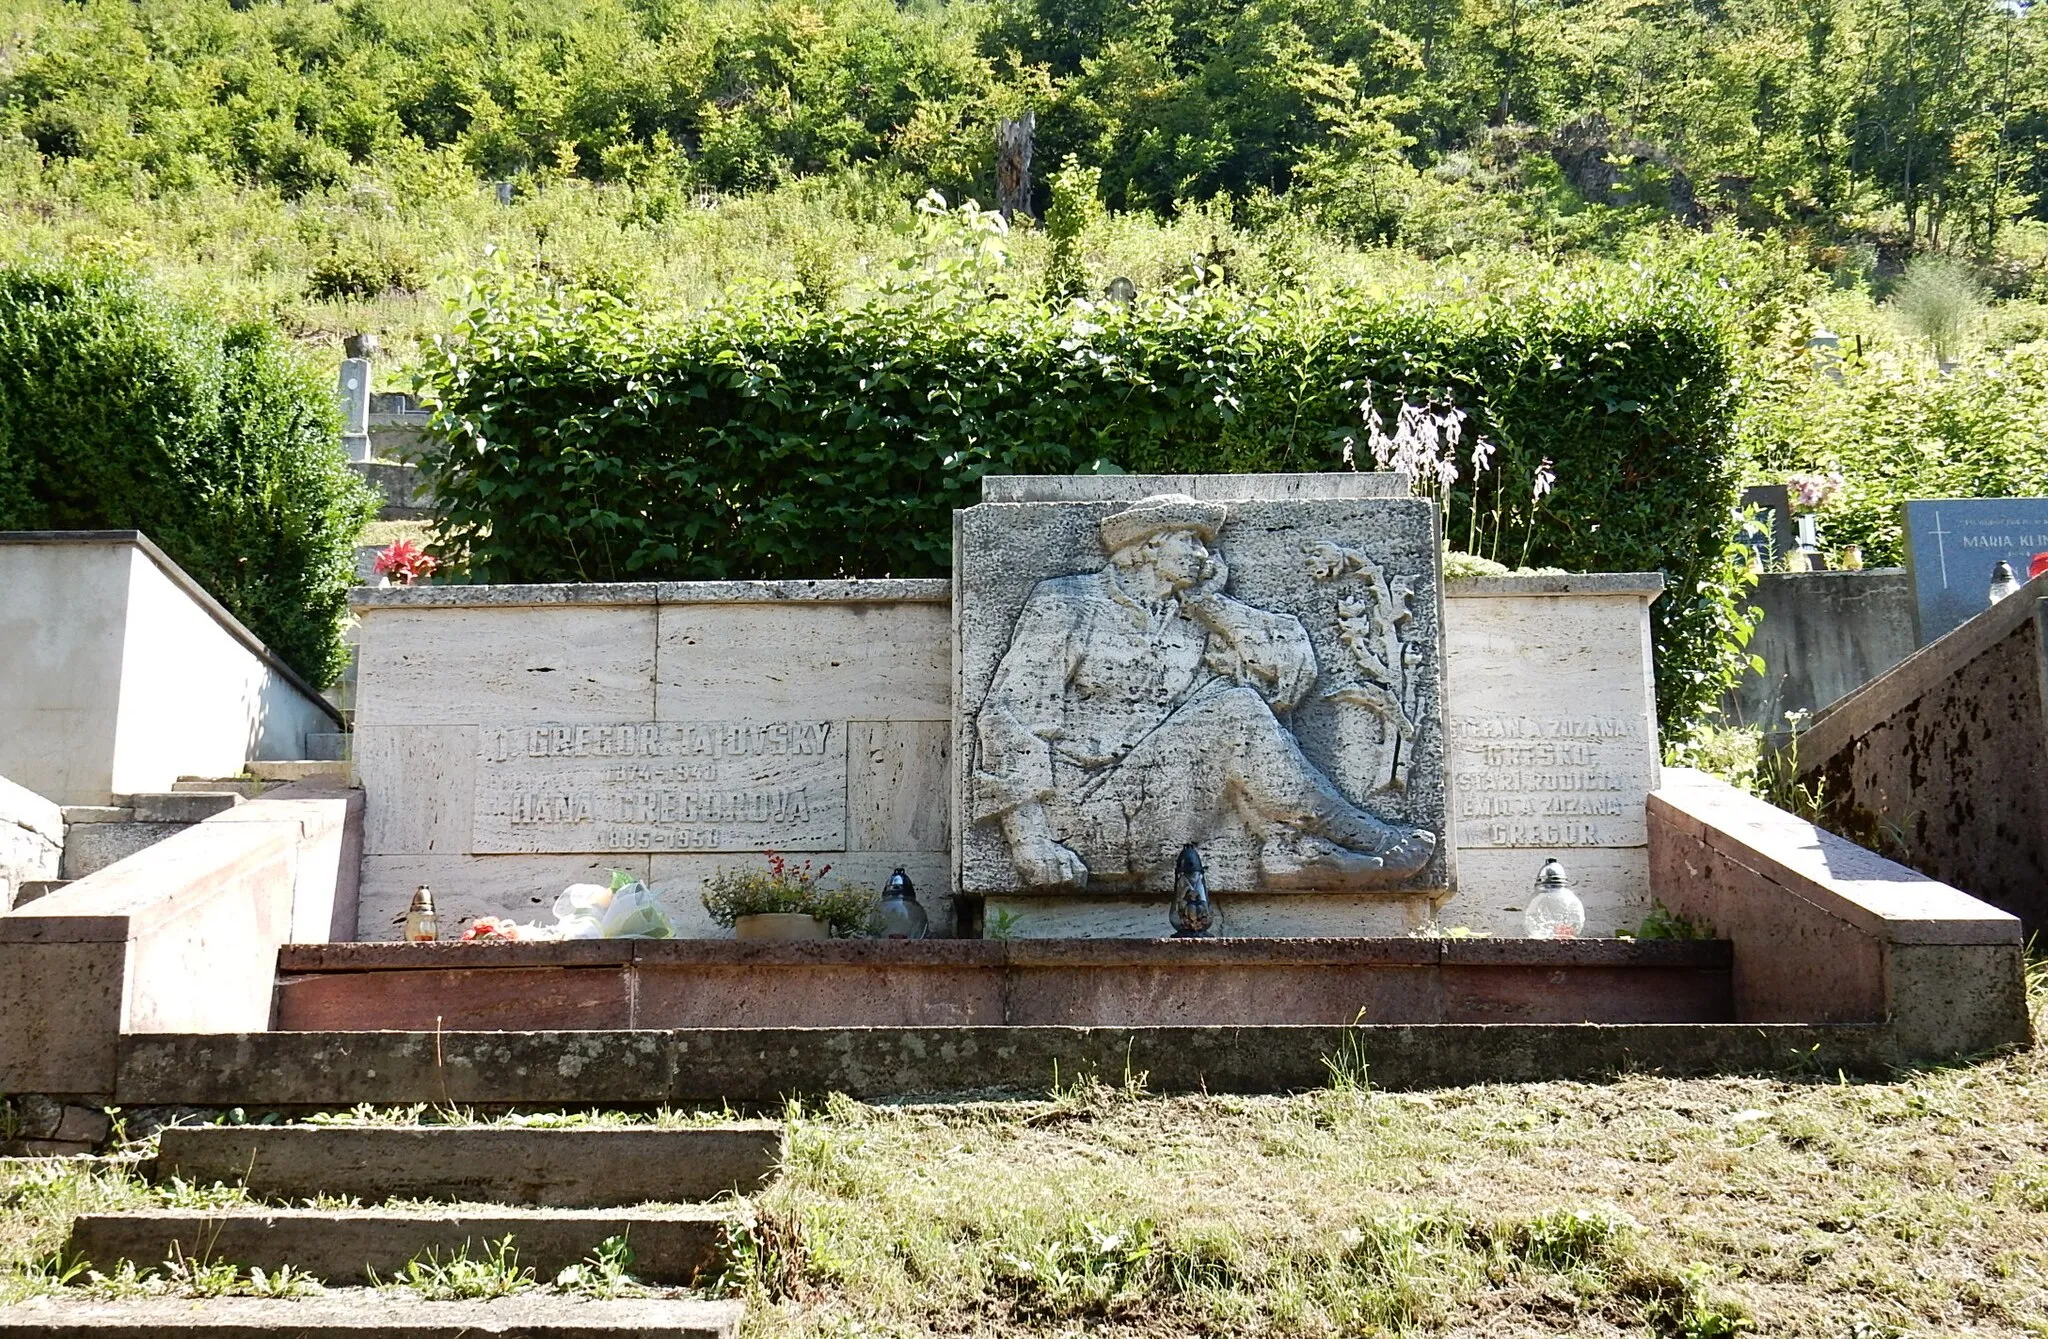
650 1067
182 806
301 770
247 787
670 1245
361 1313
493 1164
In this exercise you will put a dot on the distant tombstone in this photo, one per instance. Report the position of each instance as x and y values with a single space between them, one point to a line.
503 190
1952 545
354 387
1774 508
1122 290
1013 166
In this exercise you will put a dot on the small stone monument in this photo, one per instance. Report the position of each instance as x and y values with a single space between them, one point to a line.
1259 678
1952 547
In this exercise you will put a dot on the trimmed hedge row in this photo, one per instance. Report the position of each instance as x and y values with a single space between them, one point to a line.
587 441
121 410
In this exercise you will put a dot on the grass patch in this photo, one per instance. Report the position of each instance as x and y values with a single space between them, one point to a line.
1644 1206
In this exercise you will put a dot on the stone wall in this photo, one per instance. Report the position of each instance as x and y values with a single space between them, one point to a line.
1942 762
1825 931
119 674
31 840
1823 635
1553 725
452 676
480 708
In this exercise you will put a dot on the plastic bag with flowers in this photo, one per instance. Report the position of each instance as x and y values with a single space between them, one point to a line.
627 909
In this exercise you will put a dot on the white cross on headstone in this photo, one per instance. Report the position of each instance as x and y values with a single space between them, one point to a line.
1941 547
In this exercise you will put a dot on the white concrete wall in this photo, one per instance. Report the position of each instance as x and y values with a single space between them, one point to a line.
115 678
194 700
63 632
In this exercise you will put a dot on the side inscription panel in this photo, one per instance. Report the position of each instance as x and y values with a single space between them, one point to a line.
776 785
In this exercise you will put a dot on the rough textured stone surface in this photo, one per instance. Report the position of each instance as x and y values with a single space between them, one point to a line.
1216 487
1024 982
572 1168
359 1313
1942 761
1823 635
1828 931
670 1246
91 847
309 1069
1262 679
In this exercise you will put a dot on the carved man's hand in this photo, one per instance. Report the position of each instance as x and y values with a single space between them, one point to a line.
1200 599
1045 863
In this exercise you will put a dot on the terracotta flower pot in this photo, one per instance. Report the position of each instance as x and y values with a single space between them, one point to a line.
778 925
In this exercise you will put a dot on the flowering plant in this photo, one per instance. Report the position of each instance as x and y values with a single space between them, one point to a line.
501 930
406 562
786 888
1811 492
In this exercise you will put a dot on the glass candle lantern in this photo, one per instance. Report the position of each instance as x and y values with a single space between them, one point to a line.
902 916
422 923
1555 911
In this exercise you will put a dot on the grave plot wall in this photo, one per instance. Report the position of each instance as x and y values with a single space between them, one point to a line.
119 674
1552 725
513 740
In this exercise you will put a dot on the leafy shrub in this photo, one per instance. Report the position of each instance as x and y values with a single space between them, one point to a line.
122 410
587 440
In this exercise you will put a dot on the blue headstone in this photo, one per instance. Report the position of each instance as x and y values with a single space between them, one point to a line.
1952 545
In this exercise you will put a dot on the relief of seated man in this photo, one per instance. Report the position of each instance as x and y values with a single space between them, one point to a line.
1140 709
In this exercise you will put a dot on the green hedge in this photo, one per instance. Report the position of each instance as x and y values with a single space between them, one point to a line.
122 410
586 441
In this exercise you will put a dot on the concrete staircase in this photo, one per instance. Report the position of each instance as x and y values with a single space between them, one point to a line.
95 836
392 1195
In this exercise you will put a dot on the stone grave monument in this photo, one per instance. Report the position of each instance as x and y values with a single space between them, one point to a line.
1952 546
1259 677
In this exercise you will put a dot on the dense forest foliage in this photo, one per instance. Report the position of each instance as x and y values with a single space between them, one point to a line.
1444 123
1858 189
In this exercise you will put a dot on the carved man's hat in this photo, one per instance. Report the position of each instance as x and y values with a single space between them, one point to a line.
1165 511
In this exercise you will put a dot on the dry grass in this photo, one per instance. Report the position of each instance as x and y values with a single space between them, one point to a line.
1643 1206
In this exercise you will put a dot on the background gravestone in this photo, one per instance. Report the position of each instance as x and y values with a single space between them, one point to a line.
1287 557
1774 511
1952 545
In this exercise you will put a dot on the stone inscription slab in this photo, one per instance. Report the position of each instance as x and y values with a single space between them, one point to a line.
776 785
1550 781
1952 545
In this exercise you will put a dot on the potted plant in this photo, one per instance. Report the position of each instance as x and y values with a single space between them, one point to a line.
786 901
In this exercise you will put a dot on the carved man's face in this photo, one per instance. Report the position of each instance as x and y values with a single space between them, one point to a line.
1178 556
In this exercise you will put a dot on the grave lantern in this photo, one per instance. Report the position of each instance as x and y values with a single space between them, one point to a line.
2003 582
901 915
1555 912
422 923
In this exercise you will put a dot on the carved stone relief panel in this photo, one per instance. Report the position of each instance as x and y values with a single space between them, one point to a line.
1260 679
